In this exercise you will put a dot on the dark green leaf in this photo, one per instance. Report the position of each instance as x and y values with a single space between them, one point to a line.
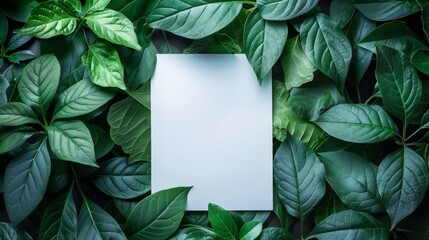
195 233
19 56
102 142
386 10
218 43
274 233
250 230
329 205
59 177
16 41
140 66
420 60
157 216
424 5
95 5
18 10
402 180
284 9
4 85
358 123
341 11
133 9
254 216
196 218
16 114
7 232
223 222
124 206
285 219
14 138
4 28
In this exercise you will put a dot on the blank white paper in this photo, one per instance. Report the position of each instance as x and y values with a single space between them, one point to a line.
212 129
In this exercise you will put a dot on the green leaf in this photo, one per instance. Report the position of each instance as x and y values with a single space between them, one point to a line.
254 216
285 219
133 9
223 222
195 233
157 216
81 98
25 181
39 82
250 230
350 225
7 232
19 56
16 114
50 19
296 66
102 142
354 179
130 128
218 43
263 43
4 27
424 5
298 177
341 11
196 218
71 141
95 5
327 47
14 137
16 41
112 26
60 218
402 179
18 10
124 206
118 179
95 223
193 19
358 123
104 66
386 10
274 233
329 205
420 60
140 66
4 85
399 83
284 9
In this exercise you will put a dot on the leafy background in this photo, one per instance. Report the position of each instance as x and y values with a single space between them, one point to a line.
350 117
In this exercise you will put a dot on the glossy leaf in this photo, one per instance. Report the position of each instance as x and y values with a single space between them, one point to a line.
223 222
274 233
95 5
420 60
386 10
16 114
341 11
358 123
14 138
7 232
195 233
284 9
250 230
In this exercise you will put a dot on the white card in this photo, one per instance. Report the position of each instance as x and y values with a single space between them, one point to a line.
212 129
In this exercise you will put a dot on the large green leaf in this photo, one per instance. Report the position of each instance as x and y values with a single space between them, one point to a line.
263 42
112 26
50 19
157 216
130 127
223 222
420 60
39 82
16 114
425 16
298 177
104 65
95 223
350 225
402 180
296 66
71 141
120 180
7 232
326 46
358 123
140 66
12 138
60 218
195 233
386 10
25 181
95 5
250 230
81 98
193 19
329 205
398 81
354 179
341 11
284 9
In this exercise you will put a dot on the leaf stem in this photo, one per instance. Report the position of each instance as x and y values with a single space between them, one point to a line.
84 36
301 228
414 133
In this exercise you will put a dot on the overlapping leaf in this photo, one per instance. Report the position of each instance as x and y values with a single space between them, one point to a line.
385 10
16 114
284 9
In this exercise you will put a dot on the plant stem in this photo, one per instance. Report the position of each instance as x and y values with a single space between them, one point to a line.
414 133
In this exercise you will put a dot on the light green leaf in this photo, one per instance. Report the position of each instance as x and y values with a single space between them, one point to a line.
16 114
296 66
399 83
12 138
104 66
223 222
140 66
195 233
95 5
298 177
354 179
130 128
157 216
402 179
327 47
386 10
81 98
193 19
25 181
49 19
60 218
263 43
102 142
329 205
7 232
284 9
112 26
71 141
250 230
341 11
350 225
39 82
358 123
420 60
424 5
274 233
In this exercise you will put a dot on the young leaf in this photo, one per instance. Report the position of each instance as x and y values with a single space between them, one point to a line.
195 232
95 5
358 123
298 177
350 225
398 82
223 222
25 181
140 66
7 232
194 19
341 11
120 180
112 26
71 141
14 138
16 114
275 233
250 230
104 66
263 43
420 60
157 216
402 179
284 9
329 205
386 10
327 47
50 19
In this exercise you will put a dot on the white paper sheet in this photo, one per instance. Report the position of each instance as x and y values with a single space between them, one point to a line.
212 129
